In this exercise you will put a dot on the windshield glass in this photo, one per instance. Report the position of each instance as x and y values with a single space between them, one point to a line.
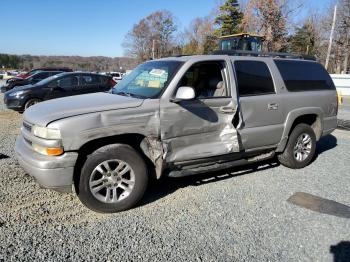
148 80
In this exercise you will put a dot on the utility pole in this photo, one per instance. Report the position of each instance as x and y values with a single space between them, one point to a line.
153 48
331 37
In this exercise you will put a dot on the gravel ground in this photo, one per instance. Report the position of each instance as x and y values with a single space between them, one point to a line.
238 215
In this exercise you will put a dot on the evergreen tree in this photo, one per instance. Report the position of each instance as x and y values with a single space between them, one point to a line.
305 39
230 18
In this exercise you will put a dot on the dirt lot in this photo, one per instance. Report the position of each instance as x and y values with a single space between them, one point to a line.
238 215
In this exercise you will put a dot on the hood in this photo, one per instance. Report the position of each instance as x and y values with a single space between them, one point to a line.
24 87
44 113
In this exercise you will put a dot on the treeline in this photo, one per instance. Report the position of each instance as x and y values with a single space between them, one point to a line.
279 21
95 63
10 61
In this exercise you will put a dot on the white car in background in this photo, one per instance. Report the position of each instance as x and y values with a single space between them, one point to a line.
117 76
6 75
342 83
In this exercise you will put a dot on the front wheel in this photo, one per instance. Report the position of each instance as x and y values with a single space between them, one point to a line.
31 102
300 149
114 178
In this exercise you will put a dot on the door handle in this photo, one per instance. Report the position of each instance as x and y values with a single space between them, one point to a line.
227 110
272 106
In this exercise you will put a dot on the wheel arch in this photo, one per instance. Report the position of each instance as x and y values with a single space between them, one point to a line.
137 141
31 98
310 116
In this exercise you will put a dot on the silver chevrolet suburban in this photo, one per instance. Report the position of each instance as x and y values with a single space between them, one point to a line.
175 117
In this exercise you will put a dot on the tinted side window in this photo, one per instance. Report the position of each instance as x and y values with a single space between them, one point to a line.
104 80
253 78
68 82
90 80
304 76
40 76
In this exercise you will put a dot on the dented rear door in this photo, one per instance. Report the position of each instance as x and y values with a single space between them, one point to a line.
203 127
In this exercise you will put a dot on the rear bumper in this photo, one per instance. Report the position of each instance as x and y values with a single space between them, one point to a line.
50 172
329 125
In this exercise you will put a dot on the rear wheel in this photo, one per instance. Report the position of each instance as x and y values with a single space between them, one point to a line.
31 102
300 149
114 178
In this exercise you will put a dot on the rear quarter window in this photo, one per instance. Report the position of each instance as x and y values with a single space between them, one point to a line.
304 76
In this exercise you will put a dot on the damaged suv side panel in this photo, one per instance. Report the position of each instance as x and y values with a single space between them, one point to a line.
203 127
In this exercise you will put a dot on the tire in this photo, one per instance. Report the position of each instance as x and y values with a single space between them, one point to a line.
31 102
125 190
298 154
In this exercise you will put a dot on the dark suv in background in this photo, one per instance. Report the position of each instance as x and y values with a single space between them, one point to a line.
30 80
60 85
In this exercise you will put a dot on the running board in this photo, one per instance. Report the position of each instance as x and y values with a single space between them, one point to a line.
215 166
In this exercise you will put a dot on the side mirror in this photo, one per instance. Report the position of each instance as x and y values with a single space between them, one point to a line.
184 93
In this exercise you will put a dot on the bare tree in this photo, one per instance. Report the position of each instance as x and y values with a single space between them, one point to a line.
272 19
199 37
156 31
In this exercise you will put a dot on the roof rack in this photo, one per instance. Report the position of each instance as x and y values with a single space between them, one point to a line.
263 54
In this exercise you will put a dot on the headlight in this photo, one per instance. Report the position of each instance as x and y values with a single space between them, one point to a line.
17 93
47 133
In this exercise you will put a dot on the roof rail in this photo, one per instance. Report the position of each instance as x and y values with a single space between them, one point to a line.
263 54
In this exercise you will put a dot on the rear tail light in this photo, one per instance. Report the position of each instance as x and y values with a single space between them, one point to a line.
111 83
339 101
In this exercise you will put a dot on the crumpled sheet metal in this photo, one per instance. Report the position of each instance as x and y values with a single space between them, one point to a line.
199 140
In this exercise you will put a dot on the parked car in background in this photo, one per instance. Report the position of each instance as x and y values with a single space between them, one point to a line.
33 79
64 84
2 73
6 75
117 76
37 70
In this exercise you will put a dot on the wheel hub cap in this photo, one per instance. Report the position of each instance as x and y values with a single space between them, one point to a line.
112 181
302 148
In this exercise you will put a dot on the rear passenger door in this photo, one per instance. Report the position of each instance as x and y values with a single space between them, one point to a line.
261 109
65 86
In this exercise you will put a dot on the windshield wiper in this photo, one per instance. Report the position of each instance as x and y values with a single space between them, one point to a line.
123 93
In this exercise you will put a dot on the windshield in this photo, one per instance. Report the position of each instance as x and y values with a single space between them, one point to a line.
148 80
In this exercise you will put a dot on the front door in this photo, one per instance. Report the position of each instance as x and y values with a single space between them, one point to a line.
202 127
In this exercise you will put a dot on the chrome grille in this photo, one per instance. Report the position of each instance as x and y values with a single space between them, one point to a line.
27 126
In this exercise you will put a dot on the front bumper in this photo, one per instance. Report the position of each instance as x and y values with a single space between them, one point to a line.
14 103
50 172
